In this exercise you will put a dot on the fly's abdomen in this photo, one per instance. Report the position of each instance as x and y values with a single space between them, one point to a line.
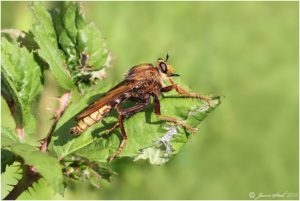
90 120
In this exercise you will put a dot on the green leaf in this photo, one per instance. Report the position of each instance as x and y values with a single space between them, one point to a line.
65 41
90 41
62 142
19 89
69 20
96 48
148 137
45 37
48 166
80 168
8 137
83 44
174 137
27 41
7 159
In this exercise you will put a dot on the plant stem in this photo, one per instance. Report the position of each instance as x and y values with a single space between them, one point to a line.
21 133
29 176
63 103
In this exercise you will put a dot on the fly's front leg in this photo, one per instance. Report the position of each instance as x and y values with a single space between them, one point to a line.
182 91
171 119
121 114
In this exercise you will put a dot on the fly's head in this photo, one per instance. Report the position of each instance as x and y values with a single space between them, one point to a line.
165 70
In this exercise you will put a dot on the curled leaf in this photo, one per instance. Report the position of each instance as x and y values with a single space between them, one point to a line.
82 43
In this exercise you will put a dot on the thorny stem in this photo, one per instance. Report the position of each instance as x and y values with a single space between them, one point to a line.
30 175
63 103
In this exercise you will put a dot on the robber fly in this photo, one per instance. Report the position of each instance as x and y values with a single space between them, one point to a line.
140 84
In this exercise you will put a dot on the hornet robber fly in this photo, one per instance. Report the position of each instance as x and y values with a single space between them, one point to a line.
142 82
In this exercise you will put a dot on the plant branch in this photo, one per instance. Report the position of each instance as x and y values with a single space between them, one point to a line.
63 103
29 176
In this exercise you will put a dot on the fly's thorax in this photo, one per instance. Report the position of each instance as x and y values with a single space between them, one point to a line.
147 88
143 72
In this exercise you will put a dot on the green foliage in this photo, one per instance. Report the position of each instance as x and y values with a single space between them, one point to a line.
22 78
21 83
81 42
8 137
62 144
7 159
80 168
48 166
73 49
75 53
45 36
12 149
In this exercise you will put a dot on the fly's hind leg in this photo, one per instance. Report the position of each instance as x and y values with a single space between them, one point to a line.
121 114
123 133
171 119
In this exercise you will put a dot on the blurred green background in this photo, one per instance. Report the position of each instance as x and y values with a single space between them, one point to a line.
247 51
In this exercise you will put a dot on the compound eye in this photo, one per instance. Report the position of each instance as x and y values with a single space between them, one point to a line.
163 67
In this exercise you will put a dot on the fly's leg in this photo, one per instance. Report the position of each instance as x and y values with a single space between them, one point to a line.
121 114
128 112
108 131
171 119
123 133
182 91
178 122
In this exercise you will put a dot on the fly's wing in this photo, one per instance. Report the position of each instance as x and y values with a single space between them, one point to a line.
112 94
